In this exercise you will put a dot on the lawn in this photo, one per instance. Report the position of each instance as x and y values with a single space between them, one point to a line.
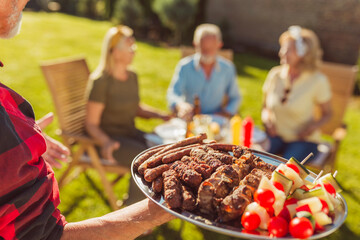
49 36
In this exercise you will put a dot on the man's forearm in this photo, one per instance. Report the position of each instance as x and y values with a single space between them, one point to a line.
127 223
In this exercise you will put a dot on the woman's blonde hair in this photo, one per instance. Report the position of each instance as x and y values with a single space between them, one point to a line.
313 54
114 37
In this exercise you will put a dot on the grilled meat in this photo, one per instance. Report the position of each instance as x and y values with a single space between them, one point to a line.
188 176
234 204
172 189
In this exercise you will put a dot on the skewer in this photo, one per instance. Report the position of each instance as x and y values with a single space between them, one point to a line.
318 176
307 158
335 173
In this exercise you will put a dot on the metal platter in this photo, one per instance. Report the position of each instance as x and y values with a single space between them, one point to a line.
340 212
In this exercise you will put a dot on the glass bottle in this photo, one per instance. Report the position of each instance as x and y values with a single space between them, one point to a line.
248 128
235 124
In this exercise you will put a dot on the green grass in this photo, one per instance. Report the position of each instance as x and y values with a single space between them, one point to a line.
50 36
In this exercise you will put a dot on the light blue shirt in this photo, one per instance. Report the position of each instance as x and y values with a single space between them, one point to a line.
189 80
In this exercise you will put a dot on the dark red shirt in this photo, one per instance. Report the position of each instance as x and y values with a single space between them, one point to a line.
29 193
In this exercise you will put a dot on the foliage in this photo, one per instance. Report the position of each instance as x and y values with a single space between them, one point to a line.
178 15
129 12
58 35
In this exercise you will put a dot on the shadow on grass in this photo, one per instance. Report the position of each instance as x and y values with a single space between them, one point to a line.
97 189
77 199
208 235
76 202
351 194
347 234
163 232
248 59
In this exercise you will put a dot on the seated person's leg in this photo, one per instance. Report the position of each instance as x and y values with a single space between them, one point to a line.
128 150
300 150
277 145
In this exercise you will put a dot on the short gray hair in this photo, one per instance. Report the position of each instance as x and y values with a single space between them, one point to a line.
206 29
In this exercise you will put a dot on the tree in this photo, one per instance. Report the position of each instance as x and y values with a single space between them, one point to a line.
178 15
129 12
109 8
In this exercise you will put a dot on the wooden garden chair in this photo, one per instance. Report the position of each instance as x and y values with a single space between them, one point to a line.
67 80
342 79
225 53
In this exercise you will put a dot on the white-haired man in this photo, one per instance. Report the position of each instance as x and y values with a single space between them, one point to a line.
29 194
206 75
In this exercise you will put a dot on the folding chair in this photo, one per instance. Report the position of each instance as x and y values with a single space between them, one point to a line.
342 79
67 80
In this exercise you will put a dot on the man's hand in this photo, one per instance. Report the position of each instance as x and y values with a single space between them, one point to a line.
107 150
185 110
54 150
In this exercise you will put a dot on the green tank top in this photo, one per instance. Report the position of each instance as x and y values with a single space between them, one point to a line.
121 100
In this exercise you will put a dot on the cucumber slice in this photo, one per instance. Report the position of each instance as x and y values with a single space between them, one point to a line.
320 192
303 172
309 184
307 215
286 182
328 178
299 194
291 174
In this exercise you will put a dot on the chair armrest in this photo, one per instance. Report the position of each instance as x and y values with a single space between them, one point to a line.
82 138
340 133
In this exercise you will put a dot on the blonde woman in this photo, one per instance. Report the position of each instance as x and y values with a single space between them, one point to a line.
291 91
114 102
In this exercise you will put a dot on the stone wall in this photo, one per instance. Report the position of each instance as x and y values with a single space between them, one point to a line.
257 24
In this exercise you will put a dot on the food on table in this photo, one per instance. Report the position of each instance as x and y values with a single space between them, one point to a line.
229 184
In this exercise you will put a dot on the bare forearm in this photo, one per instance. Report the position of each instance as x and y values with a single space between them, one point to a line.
127 223
145 111
96 133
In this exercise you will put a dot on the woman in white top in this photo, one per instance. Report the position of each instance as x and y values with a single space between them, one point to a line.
291 92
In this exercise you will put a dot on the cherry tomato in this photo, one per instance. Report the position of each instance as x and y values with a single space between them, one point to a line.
325 206
330 189
305 208
250 220
305 187
290 201
285 214
293 167
279 186
264 197
270 211
278 227
301 228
